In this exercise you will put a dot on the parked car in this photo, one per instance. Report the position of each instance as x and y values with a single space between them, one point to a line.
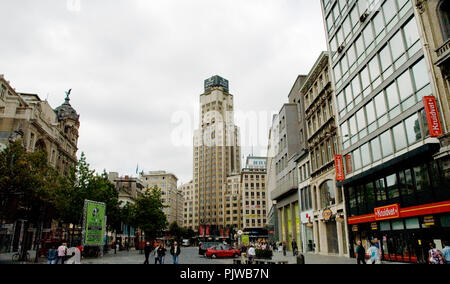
206 245
186 243
222 251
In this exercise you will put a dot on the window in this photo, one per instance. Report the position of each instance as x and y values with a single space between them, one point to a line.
413 132
411 33
370 113
380 105
356 159
392 96
399 137
386 143
420 73
327 194
397 46
444 17
386 60
365 154
392 187
380 192
421 177
376 149
404 85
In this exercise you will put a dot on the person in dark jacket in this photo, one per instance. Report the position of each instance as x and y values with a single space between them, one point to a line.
175 251
161 253
360 253
294 248
147 250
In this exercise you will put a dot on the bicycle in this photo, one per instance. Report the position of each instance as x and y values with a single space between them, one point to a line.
16 257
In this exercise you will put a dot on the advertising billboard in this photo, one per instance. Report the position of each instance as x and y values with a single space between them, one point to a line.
94 225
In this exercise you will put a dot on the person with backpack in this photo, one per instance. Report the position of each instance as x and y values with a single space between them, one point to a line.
434 255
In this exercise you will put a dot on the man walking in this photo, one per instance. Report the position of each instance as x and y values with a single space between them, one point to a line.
294 247
62 252
175 251
360 253
251 254
161 253
147 250
52 255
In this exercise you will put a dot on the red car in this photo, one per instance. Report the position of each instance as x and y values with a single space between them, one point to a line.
222 251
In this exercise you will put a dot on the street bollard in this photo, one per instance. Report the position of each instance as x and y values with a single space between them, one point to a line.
300 259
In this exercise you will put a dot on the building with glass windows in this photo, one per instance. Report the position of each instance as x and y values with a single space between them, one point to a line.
396 192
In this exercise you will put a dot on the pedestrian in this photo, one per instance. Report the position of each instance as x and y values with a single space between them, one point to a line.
434 255
374 253
155 252
62 253
360 253
294 247
175 251
147 250
161 253
284 248
243 254
446 252
52 255
251 254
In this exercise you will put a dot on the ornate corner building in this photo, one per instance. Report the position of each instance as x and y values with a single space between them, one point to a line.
27 117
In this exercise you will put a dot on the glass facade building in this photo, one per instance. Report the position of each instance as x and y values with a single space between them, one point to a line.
380 76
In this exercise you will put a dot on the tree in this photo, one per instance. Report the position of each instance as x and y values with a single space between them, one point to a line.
148 213
28 187
176 231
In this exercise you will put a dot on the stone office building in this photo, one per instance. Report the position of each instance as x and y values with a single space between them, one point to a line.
327 198
216 153
40 127
396 191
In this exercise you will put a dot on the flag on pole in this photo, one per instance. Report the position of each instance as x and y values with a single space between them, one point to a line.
137 168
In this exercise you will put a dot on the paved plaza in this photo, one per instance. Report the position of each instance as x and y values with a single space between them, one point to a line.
190 256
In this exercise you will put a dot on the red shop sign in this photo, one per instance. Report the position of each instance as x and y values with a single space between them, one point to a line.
387 212
432 113
339 168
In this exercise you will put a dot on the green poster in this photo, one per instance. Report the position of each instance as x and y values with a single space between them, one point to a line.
94 218
245 240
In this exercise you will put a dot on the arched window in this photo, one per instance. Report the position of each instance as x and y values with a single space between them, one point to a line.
327 194
444 17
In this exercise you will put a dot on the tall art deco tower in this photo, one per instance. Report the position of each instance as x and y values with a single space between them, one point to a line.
216 155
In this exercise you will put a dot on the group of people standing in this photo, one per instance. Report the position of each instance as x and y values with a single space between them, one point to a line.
159 252
61 254
435 256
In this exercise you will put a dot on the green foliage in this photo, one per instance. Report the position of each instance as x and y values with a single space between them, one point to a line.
27 183
147 213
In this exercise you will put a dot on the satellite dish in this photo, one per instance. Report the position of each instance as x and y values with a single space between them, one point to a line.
240 233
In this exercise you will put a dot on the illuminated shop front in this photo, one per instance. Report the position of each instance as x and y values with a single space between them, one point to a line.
404 208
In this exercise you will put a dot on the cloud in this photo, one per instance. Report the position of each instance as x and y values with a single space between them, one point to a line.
133 63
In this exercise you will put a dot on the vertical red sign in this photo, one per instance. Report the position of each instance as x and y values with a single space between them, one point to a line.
338 163
208 228
201 231
222 231
432 113
227 233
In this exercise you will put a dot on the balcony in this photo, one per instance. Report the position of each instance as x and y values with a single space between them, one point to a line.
443 53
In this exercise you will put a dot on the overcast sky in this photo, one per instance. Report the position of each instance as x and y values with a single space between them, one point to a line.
132 64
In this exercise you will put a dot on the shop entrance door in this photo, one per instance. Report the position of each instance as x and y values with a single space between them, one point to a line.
333 246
